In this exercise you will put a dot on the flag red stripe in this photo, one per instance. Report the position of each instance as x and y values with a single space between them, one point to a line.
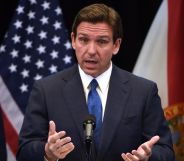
175 51
10 134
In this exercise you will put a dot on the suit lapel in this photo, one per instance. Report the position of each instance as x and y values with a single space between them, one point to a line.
75 98
117 96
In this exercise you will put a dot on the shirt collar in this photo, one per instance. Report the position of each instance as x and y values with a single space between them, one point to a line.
103 79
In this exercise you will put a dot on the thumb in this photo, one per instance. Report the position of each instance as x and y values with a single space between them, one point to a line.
153 141
52 128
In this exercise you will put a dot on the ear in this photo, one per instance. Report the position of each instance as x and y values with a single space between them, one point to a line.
73 40
117 45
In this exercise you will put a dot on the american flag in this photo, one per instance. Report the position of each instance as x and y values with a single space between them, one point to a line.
36 45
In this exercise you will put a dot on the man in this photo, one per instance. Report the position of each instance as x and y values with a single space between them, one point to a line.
132 124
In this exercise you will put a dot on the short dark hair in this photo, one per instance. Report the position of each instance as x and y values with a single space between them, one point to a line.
99 13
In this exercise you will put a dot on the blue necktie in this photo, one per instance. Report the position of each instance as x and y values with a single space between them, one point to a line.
95 108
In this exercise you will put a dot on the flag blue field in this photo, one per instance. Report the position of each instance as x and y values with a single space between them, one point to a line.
35 45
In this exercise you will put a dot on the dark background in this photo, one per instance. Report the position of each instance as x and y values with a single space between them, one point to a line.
136 15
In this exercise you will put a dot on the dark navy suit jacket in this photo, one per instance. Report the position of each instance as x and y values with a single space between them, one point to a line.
133 114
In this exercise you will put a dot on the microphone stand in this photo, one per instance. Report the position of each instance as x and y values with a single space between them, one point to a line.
90 151
89 125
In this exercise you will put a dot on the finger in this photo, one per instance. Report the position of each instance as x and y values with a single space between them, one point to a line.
65 148
52 128
139 155
153 141
132 157
59 143
53 138
123 155
63 141
69 147
147 149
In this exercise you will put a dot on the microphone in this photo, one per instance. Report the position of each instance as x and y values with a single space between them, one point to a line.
89 125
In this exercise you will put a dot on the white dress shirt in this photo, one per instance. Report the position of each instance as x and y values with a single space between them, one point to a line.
103 85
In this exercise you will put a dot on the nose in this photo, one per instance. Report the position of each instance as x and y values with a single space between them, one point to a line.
92 48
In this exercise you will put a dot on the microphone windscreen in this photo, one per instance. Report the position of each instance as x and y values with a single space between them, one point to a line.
91 117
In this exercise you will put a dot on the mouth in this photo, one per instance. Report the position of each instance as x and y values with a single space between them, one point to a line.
91 63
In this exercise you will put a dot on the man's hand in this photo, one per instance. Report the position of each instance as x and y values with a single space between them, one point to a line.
143 152
58 145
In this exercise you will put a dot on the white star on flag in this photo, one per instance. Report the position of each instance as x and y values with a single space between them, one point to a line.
24 88
57 25
42 35
33 1
46 5
39 64
58 11
44 20
28 44
20 10
54 54
2 48
14 53
25 73
30 29
53 68
56 39
41 49
68 45
16 39
31 15
37 77
13 68
67 59
27 59
18 24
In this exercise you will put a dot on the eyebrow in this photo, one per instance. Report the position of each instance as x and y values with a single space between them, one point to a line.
82 34
100 36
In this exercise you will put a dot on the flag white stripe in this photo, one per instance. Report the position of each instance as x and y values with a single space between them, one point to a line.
152 60
10 155
10 107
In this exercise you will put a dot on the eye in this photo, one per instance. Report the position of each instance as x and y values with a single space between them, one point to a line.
102 42
83 40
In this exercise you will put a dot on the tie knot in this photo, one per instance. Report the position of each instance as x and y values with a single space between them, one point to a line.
93 84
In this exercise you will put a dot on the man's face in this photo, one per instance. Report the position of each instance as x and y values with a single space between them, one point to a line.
94 47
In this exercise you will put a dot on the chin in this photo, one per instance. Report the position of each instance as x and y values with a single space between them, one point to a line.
93 74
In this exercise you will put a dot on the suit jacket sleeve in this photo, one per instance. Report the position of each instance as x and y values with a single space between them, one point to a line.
34 132
162 151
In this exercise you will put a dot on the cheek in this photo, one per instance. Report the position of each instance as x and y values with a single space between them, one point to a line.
107 55
79 48
79 53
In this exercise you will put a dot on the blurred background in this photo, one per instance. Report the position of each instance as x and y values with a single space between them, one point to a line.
136 15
